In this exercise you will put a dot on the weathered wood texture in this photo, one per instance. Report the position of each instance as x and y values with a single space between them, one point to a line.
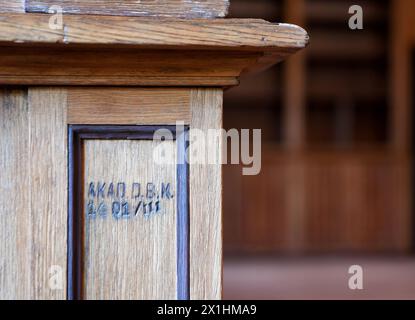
33 195
109 50
145 8
249 34
133 106
134 257
205 199
12 5
14 204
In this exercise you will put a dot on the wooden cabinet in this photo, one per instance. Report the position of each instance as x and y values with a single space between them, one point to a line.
86 209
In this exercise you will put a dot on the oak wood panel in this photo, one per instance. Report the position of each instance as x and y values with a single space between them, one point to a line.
205 200
33 194
14 204
48 188
12 5
156 8
249 34
133 106
134 257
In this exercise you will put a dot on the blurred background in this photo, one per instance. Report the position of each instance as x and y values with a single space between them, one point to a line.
336 184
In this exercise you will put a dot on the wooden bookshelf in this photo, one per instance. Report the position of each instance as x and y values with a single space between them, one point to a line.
336 173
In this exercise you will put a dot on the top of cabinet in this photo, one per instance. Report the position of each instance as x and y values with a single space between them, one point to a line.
251 44
241 34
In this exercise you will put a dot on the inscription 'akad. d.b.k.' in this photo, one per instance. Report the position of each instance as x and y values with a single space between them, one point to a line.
126 201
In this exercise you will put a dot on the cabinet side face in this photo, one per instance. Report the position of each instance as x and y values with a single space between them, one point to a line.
33 193
205 196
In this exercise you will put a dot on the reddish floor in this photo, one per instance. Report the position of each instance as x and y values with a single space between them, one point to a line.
318 278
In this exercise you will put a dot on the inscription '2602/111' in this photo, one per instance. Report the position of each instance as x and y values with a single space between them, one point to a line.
126 201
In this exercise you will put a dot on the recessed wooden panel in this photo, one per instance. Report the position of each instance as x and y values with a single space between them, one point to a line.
130 235
128 214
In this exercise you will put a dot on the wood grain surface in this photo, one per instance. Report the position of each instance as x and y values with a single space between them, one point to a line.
14 205
49 187
130 257
12 5
107 67
156 8
36 188
129 106
137 51
247 34
206 200
33 195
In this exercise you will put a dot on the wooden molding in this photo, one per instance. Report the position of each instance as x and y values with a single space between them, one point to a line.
110 50
144 8
108 67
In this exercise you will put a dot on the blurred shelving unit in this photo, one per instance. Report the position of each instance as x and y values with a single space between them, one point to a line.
336 121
